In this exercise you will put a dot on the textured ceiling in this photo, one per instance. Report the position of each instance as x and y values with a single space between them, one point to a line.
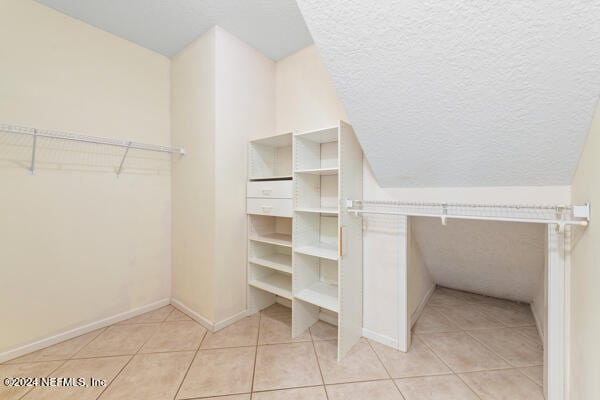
500 259
274 27
454 93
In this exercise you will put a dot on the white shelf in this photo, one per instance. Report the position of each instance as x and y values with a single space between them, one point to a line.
322 250
279 239
317 210
270 178
321 294
277 283
321 135
319 171
279 262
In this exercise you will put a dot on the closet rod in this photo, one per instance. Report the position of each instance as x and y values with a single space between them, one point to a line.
562 214
76 137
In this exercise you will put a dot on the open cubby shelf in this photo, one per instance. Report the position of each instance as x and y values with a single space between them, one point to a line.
276 283
322 294
314 258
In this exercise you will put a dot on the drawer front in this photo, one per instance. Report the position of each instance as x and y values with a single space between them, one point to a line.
275 207
272 189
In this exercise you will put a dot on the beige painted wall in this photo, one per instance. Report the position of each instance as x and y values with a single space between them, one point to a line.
78 244
244 110
193 192
217 106
585 276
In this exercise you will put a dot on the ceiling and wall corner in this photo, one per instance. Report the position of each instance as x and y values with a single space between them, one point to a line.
274 27
447 94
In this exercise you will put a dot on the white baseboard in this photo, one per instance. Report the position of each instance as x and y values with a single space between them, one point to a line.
201 319
205 322
228 321
538 321
81 330
385 340
417 313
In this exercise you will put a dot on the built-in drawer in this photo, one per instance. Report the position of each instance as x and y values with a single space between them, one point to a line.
275 207
273 189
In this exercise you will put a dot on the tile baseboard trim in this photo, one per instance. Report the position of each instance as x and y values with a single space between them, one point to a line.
417 313
80 330
199 318
379 338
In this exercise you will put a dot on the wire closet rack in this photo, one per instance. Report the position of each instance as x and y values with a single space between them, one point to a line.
561 215
77 137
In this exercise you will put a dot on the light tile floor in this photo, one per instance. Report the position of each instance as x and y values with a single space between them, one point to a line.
464 347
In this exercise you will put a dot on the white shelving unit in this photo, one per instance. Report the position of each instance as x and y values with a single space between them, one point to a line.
270 210
327 243
302 244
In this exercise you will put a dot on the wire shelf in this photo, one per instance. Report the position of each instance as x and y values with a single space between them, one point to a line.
547 214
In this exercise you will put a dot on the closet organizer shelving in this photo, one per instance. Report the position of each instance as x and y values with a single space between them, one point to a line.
318 240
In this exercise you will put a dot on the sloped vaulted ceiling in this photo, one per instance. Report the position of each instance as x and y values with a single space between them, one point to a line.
464 93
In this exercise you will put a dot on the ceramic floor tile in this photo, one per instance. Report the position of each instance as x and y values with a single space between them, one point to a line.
418 361
175 336
323 331
431 321
360 364
307 393
60 351
517 349
278 329
219 372
118 340
242 333
503 385
447 297
37 369
177 315
158 315
233 397
283 366
511 314
446 387
461 352
534 373
468 317
377 390
531 333
150 377
276 309
98 368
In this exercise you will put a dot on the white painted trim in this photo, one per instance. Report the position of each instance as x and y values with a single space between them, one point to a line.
419 310
538 321
404 332
556 372
228 321
80 330
205 322
385 340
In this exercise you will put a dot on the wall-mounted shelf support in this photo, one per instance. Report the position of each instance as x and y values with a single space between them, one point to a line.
123 159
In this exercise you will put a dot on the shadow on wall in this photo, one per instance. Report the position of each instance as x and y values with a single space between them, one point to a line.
500 259
63 155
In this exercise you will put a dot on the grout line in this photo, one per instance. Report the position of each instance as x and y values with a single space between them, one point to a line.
384 367
319 365
190 366
255 355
